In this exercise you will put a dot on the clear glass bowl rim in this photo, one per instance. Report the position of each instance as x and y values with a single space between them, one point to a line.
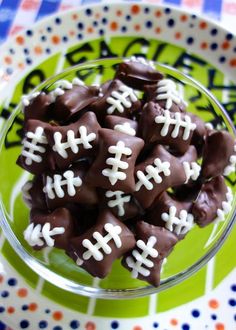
100 293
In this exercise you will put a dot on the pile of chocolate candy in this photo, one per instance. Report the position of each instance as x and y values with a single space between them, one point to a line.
121 176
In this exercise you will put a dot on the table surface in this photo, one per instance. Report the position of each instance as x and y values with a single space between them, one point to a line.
16 15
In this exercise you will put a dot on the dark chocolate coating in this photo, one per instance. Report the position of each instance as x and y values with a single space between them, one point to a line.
177 176
219 146
162 205
199 134
165 241
107 139
189 156
84 194
73 102
33 194
100 106
152 131
136 74
210 198
101 268
114 122
89 121
47 161
150 94
61 217
39 108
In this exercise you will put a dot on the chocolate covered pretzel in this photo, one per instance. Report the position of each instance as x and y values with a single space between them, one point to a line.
113 168
73 142
153 244
159 172
68 186
36 157
137 72
161 126
101 245
50 229
118 100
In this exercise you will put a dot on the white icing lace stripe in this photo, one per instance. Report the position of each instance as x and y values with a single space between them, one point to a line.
93 250
141 60
179 225
54 185
72 142
114 174
60 87
226 206
121 99
138 260
31 145
167 90
39 234
125 128
26 99
119 200
152 173
232 163
192 170
178 123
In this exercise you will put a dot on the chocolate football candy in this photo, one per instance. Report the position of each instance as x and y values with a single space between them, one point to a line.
172 214
35 156
219 154
73 101
113 169
33 195
38 108
158 173
213 202
137 72
75 141
118 100
68 187
166 95
50 229
174 129
152 246
101 245
122 125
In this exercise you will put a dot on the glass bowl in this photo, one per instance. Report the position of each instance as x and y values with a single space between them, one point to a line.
54 265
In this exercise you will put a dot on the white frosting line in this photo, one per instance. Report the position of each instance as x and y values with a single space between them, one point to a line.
232 163
121 99
226 206
118 151
139 262
125 128
141 60
179 225
153 172
178 123
119 200
192 170
60 87
30 146
93 250
54 186
167 90
72 143
37 235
